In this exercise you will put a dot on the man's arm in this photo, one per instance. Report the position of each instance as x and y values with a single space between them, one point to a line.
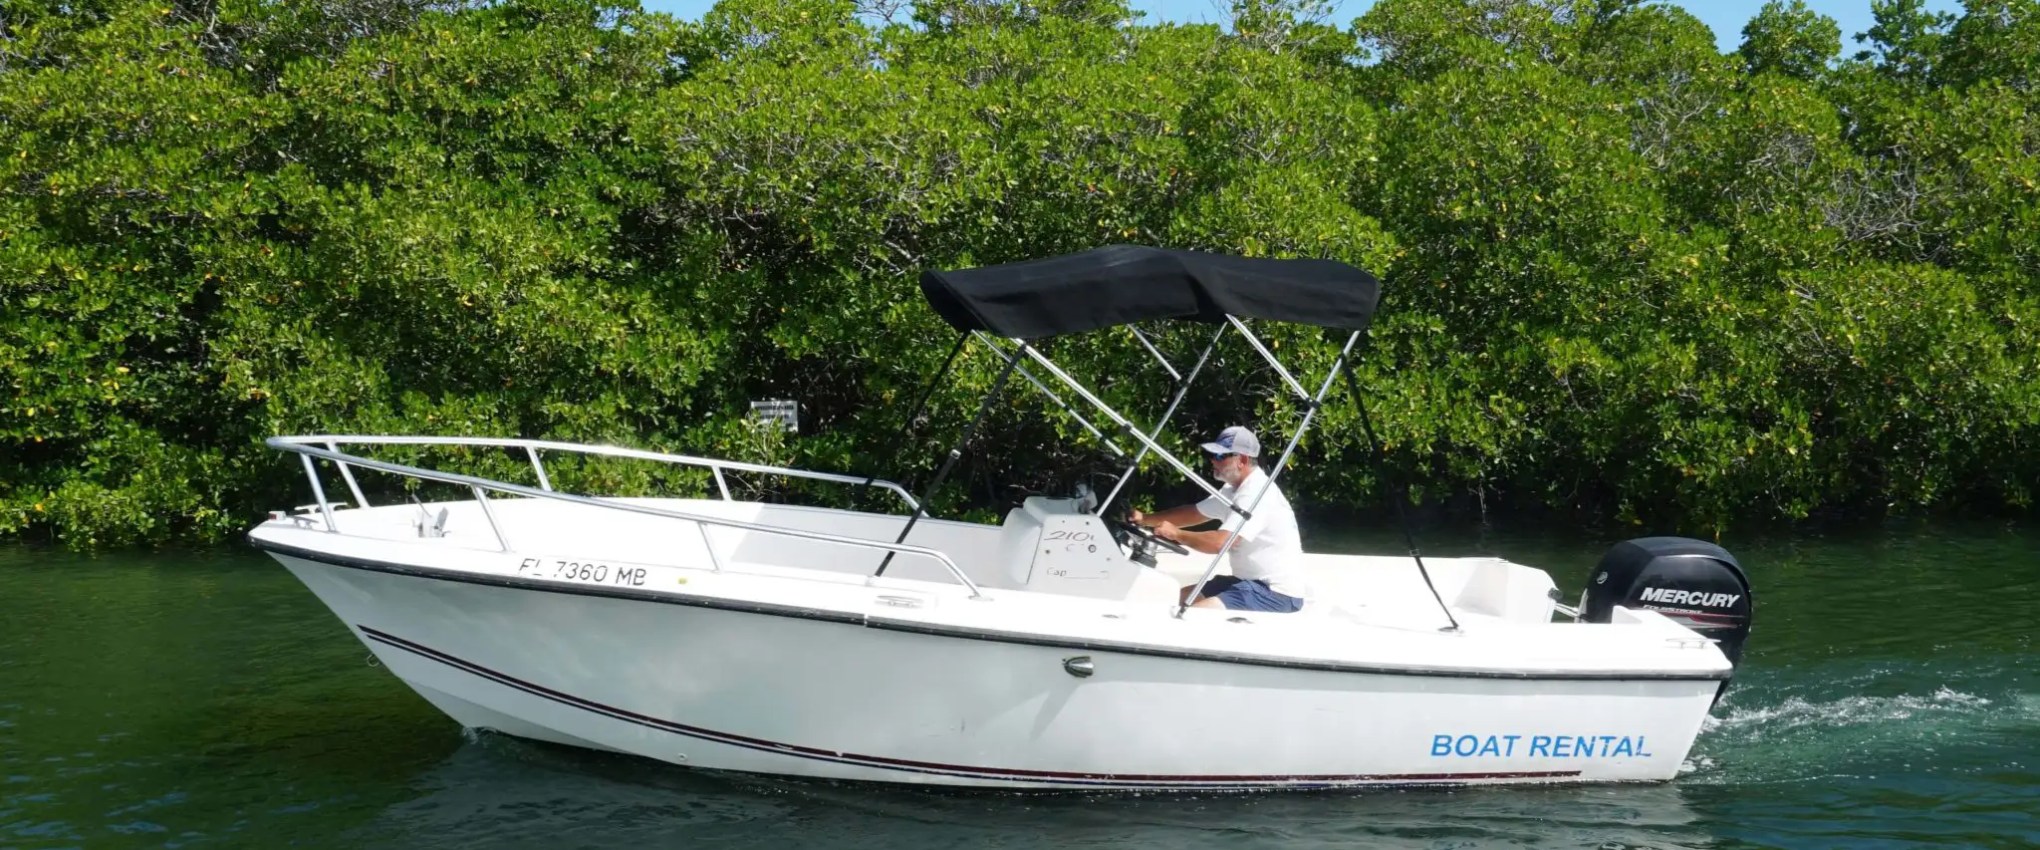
1208 542
1179 516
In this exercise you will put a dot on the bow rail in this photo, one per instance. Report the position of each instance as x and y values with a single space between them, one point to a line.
326 447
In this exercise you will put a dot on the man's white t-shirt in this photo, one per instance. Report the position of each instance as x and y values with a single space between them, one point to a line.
1269 548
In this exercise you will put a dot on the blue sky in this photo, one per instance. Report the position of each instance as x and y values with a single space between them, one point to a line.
1725 17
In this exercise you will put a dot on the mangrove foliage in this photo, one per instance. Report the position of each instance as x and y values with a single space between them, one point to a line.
1626 276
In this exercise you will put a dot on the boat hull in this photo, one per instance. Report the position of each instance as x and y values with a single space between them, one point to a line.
820 694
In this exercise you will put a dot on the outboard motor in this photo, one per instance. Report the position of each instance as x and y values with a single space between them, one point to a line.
1695 583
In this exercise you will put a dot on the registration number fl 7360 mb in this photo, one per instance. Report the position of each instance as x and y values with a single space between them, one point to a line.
587 572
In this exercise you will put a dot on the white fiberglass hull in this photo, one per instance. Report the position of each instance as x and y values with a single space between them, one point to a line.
813 691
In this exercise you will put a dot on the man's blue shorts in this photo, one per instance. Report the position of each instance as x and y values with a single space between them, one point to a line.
1249 595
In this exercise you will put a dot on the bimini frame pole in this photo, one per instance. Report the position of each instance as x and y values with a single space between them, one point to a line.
1151 349
1273 363
949 463
1312 403
992 343
1398 496
1117 419
906 430
1182 389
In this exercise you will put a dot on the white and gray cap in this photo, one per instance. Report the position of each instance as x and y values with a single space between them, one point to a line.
1235 440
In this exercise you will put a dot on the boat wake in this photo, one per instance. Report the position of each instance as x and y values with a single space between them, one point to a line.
1860 724
1796 712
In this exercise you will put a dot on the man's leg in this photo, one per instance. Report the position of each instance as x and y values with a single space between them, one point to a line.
1252 596
1217 585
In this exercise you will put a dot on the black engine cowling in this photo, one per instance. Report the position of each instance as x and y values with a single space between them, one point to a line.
1693 582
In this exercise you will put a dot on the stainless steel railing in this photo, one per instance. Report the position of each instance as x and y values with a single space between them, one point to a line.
533 447
326 447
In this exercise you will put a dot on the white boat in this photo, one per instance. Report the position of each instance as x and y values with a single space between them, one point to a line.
1039 653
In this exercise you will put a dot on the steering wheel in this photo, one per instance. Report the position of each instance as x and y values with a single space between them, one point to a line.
1141 541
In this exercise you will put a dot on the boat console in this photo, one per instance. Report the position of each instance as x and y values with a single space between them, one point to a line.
1062 546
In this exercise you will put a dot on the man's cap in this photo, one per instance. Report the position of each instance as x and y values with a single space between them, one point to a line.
1235 440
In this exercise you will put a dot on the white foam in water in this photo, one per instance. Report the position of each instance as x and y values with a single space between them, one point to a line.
1799 738
1796 712
1946 694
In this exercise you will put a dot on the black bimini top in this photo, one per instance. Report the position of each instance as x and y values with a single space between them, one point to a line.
1120 284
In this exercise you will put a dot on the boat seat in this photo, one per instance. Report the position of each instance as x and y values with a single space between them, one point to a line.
1496 588
1152 587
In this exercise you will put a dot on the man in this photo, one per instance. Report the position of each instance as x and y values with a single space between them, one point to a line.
1267 562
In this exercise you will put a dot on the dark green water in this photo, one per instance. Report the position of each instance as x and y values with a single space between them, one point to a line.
1890 698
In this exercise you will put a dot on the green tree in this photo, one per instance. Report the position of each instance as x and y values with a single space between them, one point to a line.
1995 40
1791 40
1905 39
1626 277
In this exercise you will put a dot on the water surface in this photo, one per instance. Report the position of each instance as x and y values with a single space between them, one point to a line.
205 699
